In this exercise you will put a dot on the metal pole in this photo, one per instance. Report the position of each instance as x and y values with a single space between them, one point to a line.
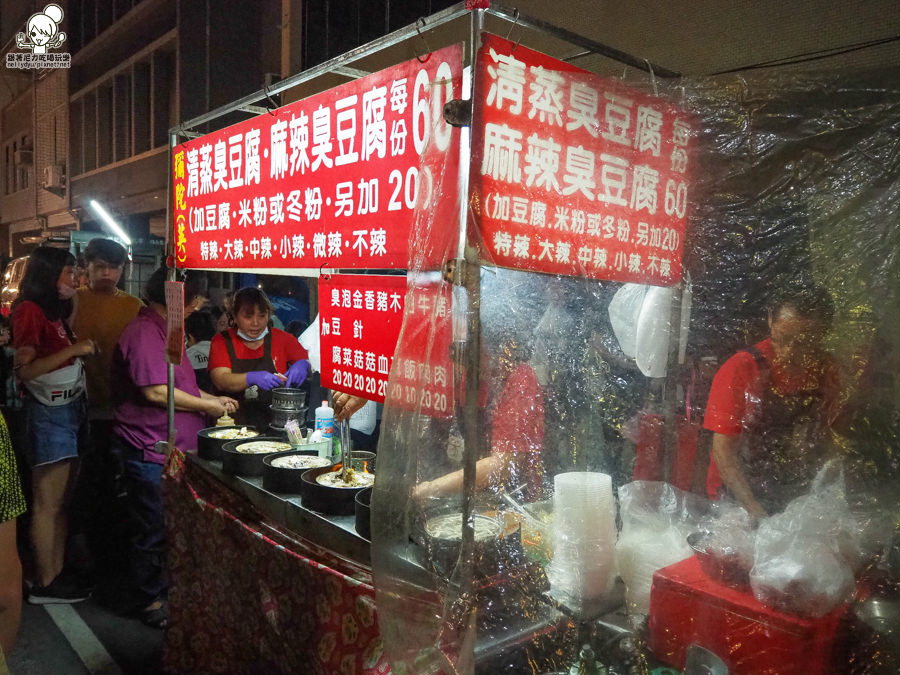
516 18
670 390
170 255
340 64
470 275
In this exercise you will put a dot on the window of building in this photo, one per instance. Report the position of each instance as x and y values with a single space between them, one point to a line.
332 27
18 164
126 113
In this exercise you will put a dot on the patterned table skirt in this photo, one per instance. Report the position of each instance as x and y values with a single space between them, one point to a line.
247 598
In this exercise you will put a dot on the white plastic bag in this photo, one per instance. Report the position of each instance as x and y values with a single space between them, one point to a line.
805 556
656 520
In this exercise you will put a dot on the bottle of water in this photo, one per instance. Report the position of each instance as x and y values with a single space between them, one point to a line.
325 420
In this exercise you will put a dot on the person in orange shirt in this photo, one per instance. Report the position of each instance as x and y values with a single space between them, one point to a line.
771 406
102 310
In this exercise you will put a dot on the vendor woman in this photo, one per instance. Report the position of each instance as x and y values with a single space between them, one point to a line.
252 358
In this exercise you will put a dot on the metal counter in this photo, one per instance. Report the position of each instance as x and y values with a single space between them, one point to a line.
336 533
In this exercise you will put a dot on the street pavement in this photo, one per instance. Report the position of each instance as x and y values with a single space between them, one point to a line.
83 638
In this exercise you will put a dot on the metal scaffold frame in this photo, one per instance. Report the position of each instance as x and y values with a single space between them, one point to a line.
466 272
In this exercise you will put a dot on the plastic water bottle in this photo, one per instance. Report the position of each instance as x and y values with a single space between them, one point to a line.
325 420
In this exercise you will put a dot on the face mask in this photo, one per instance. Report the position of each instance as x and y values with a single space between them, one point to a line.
65 292
241 334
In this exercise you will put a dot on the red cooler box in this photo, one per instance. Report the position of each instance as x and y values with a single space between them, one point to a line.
687 607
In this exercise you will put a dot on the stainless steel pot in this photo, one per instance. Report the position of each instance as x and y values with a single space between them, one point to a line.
279 417
287 398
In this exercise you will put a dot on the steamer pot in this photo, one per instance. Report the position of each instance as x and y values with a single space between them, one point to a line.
286 480
288 398
364 513
335 501
245 463
211 448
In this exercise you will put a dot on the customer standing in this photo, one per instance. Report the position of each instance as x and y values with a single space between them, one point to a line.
102 312
199 329
140 420
252 359
48 363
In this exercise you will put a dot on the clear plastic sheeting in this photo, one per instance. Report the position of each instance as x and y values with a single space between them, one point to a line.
792 245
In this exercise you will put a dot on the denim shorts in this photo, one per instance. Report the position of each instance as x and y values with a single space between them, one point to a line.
53 432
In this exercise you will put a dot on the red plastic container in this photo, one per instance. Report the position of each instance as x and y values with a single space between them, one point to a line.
687 607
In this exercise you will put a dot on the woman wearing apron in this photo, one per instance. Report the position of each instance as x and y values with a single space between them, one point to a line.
251 359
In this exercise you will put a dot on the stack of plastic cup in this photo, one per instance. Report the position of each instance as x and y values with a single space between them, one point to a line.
584 537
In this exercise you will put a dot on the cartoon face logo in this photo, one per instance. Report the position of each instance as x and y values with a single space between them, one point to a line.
42 31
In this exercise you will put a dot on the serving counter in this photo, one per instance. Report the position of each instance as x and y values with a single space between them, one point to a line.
260 584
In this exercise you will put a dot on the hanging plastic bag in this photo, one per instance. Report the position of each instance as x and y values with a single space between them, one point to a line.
624 313
805 557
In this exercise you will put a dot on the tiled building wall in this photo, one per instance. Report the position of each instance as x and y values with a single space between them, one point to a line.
51 137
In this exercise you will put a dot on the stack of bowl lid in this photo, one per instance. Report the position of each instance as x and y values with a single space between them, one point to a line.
287 404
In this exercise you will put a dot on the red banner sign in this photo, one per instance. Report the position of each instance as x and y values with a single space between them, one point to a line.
332 180
578 174
422 380
359 321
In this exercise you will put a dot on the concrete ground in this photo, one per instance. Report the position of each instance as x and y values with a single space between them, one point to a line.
83 638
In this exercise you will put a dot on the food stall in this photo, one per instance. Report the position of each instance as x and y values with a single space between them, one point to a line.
580 253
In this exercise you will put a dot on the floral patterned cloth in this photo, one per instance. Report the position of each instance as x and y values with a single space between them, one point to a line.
244 601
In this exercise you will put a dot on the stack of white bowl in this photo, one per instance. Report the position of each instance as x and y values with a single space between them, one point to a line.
584 537
643 549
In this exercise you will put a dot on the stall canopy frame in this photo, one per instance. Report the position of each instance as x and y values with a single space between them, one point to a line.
466 272
341 65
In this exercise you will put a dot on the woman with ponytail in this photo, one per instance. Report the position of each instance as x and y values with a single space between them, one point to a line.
48 364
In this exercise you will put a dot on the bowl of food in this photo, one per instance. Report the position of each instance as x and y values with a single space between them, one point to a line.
324 490
282 470
211 440
245 457
728 568
441 534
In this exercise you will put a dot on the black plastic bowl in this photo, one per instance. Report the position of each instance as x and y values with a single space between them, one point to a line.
283 479
246 463
363 502
211 448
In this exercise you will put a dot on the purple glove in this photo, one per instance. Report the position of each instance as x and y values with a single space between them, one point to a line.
297 373
263 380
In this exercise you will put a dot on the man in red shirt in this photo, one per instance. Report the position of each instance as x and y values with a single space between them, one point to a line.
771 405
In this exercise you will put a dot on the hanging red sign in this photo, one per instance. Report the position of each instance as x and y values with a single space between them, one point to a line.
334 179
422 379
360 317
574 173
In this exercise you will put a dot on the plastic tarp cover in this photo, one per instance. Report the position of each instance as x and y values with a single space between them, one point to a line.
793 245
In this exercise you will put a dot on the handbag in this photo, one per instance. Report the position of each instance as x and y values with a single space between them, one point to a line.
58 387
